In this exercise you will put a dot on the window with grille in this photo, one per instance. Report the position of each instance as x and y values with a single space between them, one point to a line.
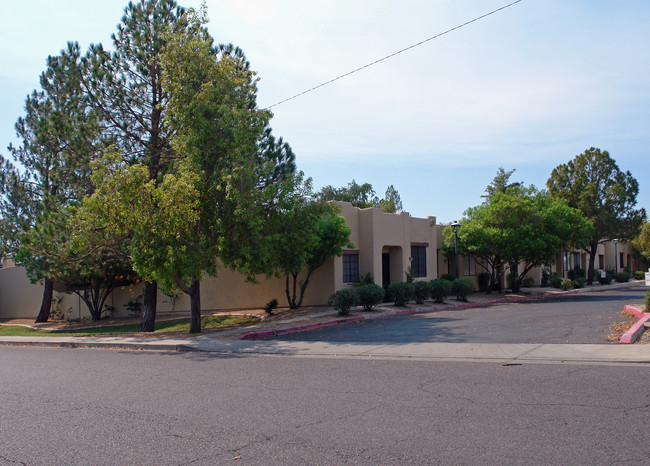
419 261
621 260
469 266
350 268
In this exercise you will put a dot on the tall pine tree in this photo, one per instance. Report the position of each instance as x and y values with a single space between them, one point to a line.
60 134
126 89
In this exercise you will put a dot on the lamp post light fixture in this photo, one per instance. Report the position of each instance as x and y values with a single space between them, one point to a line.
456 226
616 253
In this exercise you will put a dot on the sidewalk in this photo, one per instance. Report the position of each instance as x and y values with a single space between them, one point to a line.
250 341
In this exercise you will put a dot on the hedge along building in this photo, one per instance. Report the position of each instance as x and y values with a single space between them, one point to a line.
385 245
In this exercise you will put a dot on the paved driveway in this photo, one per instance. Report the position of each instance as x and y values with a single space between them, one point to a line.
578 319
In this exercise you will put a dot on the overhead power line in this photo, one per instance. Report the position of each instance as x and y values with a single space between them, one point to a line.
396 53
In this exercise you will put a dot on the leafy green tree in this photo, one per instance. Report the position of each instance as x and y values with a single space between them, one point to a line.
359 195
520 227
158 218
126 89
641 243
60 134
209 207
18 211
92 269
308 233
499 184
593 183
218 131
331 234
363 196
392 202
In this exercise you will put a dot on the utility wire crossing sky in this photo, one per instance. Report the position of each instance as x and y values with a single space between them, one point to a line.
528 88
395 53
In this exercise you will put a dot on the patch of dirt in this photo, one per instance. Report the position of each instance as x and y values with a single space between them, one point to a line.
644 339
617 329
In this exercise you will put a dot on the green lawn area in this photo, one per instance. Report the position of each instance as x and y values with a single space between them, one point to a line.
177 325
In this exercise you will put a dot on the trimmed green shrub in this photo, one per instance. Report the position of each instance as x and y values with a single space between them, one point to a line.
528 282
448 277
343 300
566 284
420 292
639 275
576 273
462 288
439 289
400 292
270 306
370 295
647 302
578 282
367 279
555 281
622 277
606 280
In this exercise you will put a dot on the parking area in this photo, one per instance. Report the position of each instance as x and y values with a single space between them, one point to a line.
584 318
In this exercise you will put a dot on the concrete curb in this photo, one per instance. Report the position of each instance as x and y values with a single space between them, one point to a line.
43 341
637 329
348 320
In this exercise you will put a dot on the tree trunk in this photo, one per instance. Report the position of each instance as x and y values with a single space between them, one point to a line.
291 300
194 292
46 304
148 321
195 306
593 248
514 277
303 286
498 273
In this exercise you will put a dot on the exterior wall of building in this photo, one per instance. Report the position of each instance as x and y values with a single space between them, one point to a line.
18 297
612 252
610 255
376 233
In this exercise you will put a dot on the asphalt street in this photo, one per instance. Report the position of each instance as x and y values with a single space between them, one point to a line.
91 406
583 318
388 391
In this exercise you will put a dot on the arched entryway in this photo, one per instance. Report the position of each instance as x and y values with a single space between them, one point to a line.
392 265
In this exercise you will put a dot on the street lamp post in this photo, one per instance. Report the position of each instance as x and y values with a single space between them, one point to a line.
456 226
616 254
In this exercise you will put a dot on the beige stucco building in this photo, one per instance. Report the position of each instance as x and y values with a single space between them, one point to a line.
385 245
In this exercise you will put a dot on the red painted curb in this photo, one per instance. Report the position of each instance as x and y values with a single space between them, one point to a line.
301 328
254 335
631 335
408 311
635 310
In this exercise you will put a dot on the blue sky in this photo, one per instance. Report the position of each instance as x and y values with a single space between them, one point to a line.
527 88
